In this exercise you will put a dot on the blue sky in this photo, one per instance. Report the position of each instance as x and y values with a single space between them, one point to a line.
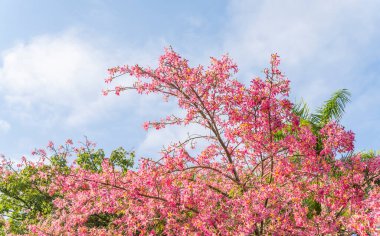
54 56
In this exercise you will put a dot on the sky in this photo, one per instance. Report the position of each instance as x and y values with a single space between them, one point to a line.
54 57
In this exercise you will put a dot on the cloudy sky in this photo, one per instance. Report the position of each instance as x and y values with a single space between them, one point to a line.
54 56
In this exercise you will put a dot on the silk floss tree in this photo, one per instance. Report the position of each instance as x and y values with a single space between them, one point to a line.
267 168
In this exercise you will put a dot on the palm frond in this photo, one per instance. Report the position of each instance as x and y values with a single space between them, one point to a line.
302 110
333 108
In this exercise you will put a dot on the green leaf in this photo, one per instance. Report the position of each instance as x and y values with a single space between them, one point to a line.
333 108
119 159
302 110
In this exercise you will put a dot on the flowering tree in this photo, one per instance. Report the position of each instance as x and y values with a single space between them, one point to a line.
263 171
24 188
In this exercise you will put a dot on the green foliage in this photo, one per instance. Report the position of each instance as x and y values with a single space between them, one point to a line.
100 220
369 154
279 135
23 199
314 207
302 110
58 160
333 108
119 158
91 160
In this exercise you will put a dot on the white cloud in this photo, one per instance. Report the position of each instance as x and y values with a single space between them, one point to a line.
51 77
299 29
58 79
318 41
49 70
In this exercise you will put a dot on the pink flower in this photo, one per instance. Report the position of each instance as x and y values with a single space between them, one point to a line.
146 125
117 90
50 145
105 92
69 142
